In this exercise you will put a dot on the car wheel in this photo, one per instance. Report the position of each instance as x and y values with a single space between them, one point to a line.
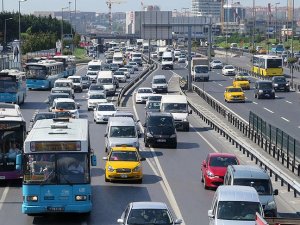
105 179
202 180
187 128
139 181
146 144
204 184
174 145
255 96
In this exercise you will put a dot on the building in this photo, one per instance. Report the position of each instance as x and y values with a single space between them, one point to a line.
207 8
234 12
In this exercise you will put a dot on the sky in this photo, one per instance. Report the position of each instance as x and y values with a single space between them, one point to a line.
127 5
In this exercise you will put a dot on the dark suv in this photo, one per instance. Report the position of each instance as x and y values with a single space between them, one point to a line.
280 83
160 130
264 89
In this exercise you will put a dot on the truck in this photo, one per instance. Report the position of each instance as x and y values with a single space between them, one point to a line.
167 60
139 43
145 47
160 51
200 69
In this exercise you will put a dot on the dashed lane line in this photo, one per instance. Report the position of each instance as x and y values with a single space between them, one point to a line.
3 197
268 110
285 119
220 85
288 102
255 103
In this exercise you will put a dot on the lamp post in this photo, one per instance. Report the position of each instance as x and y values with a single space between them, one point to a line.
20 19
183 19
2 5
293 16
5 29
254 24
62 28
276 34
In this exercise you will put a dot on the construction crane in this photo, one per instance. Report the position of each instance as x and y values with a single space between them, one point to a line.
109 4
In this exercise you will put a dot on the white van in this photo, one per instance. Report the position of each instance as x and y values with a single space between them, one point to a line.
64 83
94 67
118 59
137 57
234 205
107 79
167 60
178 106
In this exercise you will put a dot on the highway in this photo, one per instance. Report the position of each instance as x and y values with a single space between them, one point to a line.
283 112
170 175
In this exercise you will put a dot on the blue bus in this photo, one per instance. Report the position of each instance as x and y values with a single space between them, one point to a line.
12 86
69 64
13 133
56 166
277 49
43 74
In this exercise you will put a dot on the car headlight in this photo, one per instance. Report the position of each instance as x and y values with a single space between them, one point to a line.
287 84
80 197
275 85
210 174
260 91
173 136
32 198
110 169
184 120
273 91
137 169
149 135
271 205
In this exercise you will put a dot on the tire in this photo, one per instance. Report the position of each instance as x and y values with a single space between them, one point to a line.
146 144
187 128
105 179
255 96
139 181
174 145
204 185
202 180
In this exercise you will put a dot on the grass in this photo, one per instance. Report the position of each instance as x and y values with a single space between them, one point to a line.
80 53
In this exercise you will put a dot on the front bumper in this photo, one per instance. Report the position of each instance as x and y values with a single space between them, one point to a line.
161 141
102 119
236 99
266 95
124 176
213 182
160 89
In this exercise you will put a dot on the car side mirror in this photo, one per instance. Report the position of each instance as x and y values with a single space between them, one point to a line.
178 221
121 221
191 112
204 163
275 192
78 107
31 120
210 213
93 160
105 158
143 159
105 135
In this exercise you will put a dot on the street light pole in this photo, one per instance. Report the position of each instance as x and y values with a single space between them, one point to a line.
5 29
62 29
292 45
276 34
20 19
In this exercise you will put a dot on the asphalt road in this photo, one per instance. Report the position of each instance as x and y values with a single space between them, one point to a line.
170 175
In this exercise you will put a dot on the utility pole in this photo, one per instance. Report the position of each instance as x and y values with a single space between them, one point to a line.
190 87
293 17
276 34
62 29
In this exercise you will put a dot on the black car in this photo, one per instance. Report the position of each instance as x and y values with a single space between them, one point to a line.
280 83
264 89
160 130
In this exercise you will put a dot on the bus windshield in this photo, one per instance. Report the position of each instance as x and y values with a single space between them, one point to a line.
11 143
94 67
59 168
8 86
274 63
36 72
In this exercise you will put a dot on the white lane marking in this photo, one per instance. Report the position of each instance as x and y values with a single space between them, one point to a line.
255 103
288 102
3 197
285 119
165 184
268 110
230 78
218 73
214 82
220 85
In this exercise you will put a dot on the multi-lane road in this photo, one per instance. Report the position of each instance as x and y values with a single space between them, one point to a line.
170 175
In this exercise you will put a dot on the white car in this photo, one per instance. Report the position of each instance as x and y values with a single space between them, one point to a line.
126 71
103 111
153 55
135 65
142 94
130 68
120 75
181 59
65 105
96 89
216 64
228 70
95 99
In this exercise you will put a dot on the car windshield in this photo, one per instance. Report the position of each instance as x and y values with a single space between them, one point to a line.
175 107
153 105
85 78
65 105
123 69
241 79
159 81
97 97
264 85
63 114
279 79
244 74
149 216
42 116
63 84
105 80
262 186
217 62
222 161
96 88
94 67
49 168
61 91
229 67
201 69
122 131
238 210
106 108
234 90
155 98
132 63
75 80
119 73
160 121
124 156
146 90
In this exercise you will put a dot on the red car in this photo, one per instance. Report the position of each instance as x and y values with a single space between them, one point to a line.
214 168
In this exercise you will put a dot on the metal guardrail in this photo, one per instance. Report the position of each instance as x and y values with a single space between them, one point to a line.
242 126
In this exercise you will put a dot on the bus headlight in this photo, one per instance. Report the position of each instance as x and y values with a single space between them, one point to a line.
32 198
80 197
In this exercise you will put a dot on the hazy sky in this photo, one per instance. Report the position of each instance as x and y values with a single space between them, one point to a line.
100 6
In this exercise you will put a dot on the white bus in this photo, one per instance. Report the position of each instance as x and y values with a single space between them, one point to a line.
56 164
94 67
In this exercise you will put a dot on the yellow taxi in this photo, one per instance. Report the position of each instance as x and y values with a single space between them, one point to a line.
234 94
262 51
242 82
123 163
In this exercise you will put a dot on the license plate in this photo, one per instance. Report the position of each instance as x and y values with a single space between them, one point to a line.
123 175
2 177
161 140
56 209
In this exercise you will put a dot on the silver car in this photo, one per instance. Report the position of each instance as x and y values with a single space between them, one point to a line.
147 213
